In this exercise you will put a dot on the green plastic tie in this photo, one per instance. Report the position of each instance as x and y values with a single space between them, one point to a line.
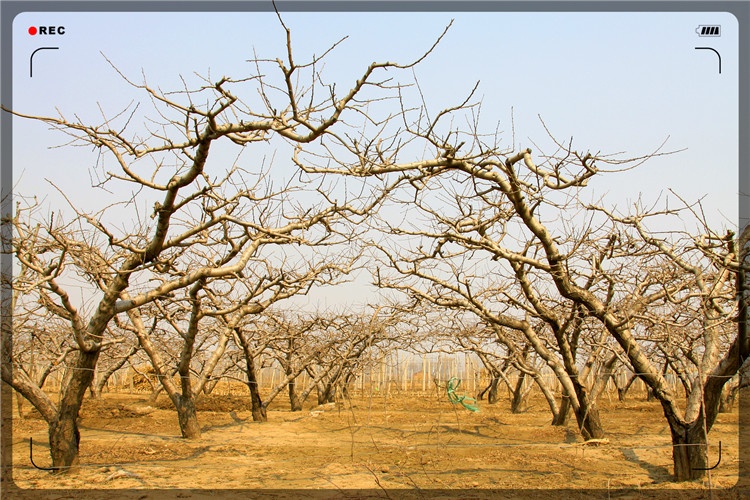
465 401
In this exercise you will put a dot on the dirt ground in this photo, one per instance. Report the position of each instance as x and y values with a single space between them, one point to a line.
405 443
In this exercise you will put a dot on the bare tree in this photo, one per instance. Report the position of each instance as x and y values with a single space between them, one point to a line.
483 341
332 348
291 348
694 325
196 204
449 279
489 210
257 336
356 340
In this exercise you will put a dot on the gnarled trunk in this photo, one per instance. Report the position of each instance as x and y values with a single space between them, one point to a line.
689 453
492 394
548 395
326 393
295 403
98 386
587 415
561 419
728 396
490 390
64 439
187 417
518 404
622 392
64 436
258 409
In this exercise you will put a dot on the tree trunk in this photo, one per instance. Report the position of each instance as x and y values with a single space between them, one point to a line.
210 385
730 390
98 387
728 396
561 419
348 381
306 392
518 404
332 393
187 417
548 395
258 410
94 391
622 392
492 394
155 394
326 394
480 396
587 416
294 401
19 404
606 372
64 437
689 452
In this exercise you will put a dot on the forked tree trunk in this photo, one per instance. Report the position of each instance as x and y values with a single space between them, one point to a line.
98 387
155 394
622 392
326 394
480 396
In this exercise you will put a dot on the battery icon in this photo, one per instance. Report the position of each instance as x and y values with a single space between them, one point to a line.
708 30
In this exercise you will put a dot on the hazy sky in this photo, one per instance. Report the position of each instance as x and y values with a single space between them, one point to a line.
619 82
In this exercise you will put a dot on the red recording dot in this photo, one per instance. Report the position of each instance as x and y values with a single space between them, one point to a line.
32 30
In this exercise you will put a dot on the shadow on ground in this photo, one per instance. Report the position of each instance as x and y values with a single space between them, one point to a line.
657 473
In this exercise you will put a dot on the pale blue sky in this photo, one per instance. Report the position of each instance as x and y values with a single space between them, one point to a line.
615 82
